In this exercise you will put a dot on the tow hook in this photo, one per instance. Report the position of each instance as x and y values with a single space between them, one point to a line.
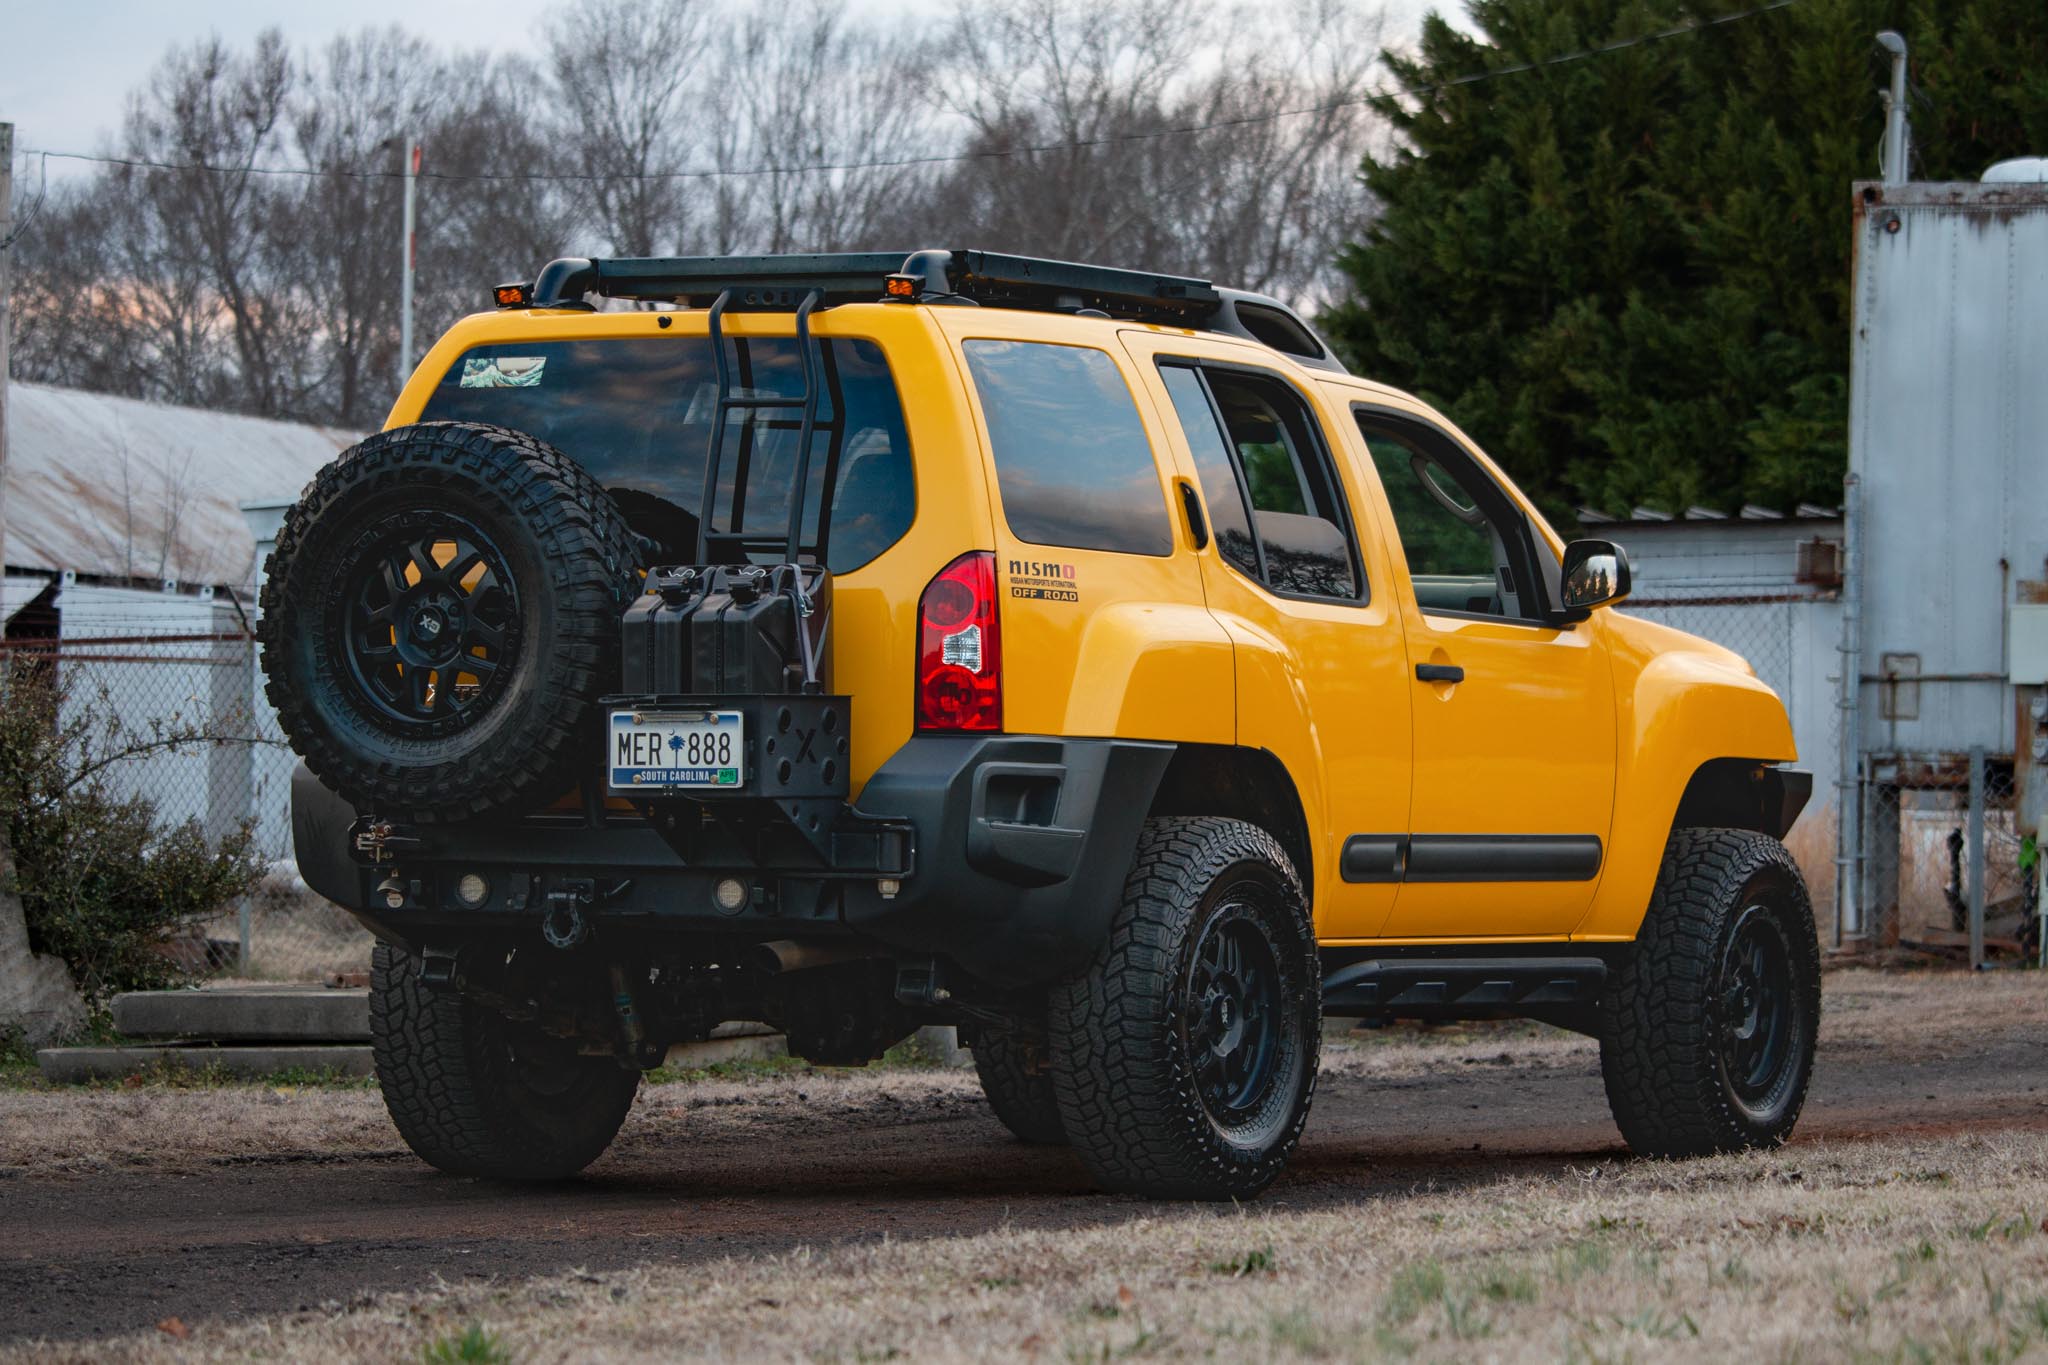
566 921
378 841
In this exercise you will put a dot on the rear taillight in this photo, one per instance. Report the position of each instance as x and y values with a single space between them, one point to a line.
960 648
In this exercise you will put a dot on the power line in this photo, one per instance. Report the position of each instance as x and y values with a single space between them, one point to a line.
953 158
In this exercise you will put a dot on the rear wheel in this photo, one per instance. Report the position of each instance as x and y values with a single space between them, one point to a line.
1017 1078
440 616
1184 1058
474 1093
1710 1025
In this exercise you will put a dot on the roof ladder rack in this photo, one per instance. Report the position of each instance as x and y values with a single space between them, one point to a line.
728 402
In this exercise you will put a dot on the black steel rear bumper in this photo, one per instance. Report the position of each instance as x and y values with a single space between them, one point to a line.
1012 851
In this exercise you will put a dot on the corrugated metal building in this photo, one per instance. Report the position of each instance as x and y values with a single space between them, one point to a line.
119 489
1948 453
129 566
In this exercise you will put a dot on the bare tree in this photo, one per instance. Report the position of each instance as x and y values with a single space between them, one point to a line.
215 115
633 113
351 115
1136 131
1054 95
1274 171
834 99
98 304
487 212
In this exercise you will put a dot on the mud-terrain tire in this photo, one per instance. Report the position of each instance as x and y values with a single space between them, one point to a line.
474 1094
1708 1028
1017 1078
1184 1057
429 690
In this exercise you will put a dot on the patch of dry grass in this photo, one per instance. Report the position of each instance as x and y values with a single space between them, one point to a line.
1899 1250
161 1125
81 1130
1918 1015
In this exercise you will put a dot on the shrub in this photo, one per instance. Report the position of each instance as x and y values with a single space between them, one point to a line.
102 882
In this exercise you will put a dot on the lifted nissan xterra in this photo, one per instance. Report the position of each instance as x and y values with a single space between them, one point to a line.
1077 656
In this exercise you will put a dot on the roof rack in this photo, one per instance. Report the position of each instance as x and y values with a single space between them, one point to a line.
781 283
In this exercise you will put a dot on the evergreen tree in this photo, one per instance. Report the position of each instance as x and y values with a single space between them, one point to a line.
1627 275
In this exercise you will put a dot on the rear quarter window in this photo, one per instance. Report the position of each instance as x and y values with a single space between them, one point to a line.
1073 460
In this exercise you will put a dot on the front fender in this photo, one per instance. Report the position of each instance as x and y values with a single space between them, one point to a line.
1680 702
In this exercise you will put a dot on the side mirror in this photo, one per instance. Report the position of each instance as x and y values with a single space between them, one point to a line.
1595 574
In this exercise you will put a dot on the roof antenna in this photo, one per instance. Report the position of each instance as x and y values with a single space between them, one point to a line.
1898 138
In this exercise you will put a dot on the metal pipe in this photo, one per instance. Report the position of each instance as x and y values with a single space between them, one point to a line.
1897 135
1848 790
1976 836
410 262
805 433
718 411
6 315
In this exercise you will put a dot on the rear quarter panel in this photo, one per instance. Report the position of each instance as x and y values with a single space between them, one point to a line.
1097 643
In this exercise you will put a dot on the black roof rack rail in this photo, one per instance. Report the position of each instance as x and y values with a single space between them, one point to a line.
997 279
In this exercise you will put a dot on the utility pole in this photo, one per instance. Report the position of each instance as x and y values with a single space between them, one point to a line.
6 310
411 151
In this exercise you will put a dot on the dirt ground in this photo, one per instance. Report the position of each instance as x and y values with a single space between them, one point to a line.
1461 1194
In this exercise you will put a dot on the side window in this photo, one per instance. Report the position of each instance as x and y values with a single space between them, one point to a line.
1221 490
1463 546
1073 461
1267 480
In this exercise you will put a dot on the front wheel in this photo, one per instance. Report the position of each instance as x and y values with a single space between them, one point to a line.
1184 1057
1709 1027
1018 1082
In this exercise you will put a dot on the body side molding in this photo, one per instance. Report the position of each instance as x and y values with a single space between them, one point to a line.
1471 857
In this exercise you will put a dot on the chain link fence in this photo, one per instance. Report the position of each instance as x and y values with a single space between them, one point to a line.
1936 829
170 710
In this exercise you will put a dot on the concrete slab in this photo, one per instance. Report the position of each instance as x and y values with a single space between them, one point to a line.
735 1042
941 1043
306 1014
731 1043
67 1064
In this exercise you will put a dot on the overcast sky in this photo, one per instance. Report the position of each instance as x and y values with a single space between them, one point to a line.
66 68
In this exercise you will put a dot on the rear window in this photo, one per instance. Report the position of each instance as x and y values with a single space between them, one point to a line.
1072 457
636 412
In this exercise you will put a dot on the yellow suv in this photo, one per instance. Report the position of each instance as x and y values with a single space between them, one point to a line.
1074 655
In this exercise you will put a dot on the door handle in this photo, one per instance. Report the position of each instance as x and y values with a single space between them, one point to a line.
1445 673
1198 527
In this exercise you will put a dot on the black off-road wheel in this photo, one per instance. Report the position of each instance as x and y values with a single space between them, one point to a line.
1185 1056
1016 1075
473 1093
1708 1030
440 616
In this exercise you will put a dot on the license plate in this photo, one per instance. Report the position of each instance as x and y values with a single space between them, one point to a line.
677 749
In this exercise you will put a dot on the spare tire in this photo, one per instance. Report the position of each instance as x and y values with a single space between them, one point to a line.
440 616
